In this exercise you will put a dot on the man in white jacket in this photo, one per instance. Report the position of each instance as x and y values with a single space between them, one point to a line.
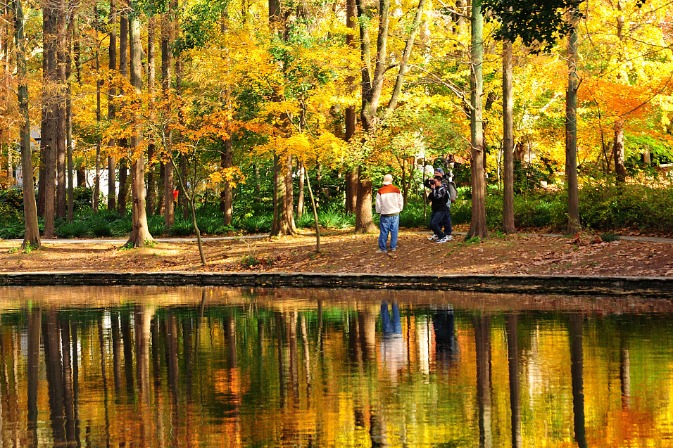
389 204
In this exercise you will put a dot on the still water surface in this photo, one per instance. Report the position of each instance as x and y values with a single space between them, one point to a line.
100 367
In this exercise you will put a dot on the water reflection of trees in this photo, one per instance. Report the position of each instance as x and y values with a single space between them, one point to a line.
370 373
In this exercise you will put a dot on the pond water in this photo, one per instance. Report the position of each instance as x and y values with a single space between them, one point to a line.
230 367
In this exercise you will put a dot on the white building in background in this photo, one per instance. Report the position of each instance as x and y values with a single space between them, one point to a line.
90 179
35 137
90 175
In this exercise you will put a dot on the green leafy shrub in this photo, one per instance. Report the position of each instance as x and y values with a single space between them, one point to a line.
333 218
605 206
75 229
256 223
412 215
212 225
493 211
12 230
528 177
100 228
11 214
461 211
540 211
83 198
305 220
121 226
11 199
156 225
181 228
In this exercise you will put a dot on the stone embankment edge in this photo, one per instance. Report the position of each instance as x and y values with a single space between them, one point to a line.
655 287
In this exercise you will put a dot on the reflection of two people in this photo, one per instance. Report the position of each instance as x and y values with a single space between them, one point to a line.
393 348
446 346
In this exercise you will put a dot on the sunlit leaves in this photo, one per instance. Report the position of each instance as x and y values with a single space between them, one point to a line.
233 176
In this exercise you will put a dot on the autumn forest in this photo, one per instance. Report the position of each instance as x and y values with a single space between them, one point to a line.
158 107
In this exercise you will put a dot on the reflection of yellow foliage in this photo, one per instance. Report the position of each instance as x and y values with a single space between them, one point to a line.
228 381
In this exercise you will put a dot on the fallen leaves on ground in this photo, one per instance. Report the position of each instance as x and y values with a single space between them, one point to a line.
345 252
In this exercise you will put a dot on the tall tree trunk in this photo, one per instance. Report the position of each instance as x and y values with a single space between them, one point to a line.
169 202
49 132
406 54
72 35
61 51
371 85
363 213
350 116
300 190
289 195
123 181
460 14
140 234
478 221
99 87
618 145
618 152
571 130
31 236
274 14
112 180
151 80
167 37
160 190
112 65
81 176
314 209
508 139
351 190
282 223
183 201
227 196
283 219
123 71
5 38
151 179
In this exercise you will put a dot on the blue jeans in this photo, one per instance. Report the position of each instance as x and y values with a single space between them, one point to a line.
447 223
389 224
390 324
437 220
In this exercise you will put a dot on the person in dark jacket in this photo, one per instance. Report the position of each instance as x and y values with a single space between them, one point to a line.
446 180
438 197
